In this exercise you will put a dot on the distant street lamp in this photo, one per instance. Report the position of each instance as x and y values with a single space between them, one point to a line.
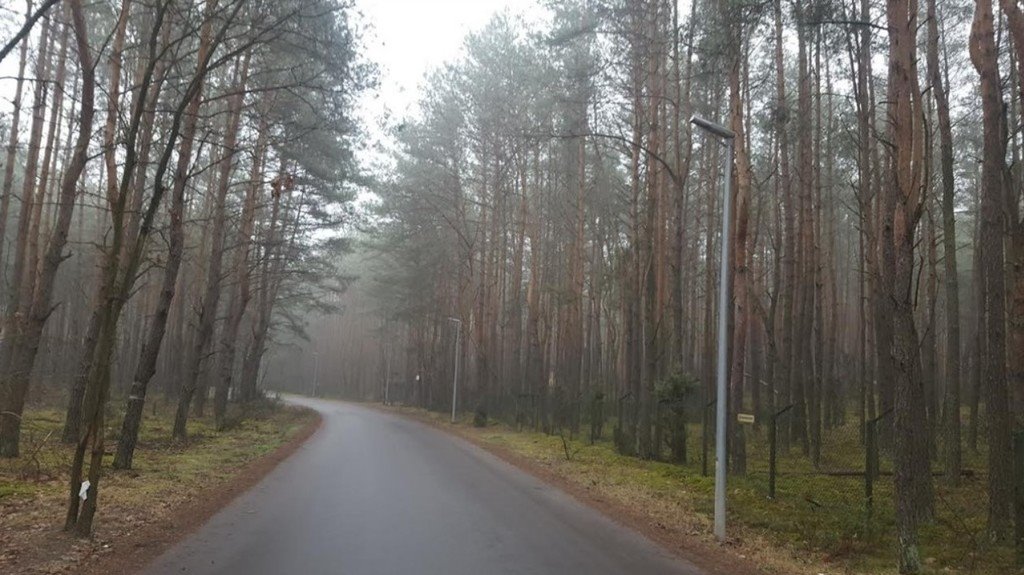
727 137
455 383
316 373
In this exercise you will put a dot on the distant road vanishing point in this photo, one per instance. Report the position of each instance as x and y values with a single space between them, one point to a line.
377 494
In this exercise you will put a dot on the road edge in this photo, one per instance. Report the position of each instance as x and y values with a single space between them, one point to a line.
141 548
712 558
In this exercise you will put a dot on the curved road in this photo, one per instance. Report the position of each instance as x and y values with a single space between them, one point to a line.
377 494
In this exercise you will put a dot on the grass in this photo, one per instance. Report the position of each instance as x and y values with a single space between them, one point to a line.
159 462
817 522
165 476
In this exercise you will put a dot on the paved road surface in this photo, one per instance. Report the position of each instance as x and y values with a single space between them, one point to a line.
375 494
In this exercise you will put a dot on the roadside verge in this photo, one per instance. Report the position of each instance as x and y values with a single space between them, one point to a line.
171 491
630 494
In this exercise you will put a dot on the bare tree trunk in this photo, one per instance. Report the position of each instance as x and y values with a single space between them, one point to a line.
240 293
951 425
740 276
152 73
28 283
1015 243
271 270
910 456
985 58
14 374
119 276
146 367
12 144
211 296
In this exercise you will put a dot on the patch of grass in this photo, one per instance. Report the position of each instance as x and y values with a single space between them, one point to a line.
11 488
161 464
164 474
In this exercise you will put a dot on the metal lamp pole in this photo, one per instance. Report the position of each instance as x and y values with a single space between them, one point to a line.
455 383
727 137
316 373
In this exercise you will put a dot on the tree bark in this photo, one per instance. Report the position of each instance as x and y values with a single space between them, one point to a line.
12 144
913 488
984 56
952 456
212 293
14 373
240 294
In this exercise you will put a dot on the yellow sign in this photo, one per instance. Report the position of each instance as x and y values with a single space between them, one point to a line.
745 418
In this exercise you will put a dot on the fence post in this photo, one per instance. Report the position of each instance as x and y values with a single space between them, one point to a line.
705 438
773 428
519 412
1018 494
870 467
658 430
596 416
773 448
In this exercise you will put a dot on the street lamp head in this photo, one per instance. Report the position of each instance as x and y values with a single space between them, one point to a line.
712 127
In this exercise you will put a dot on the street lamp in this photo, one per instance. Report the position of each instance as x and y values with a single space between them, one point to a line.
455 383
727 137
316 373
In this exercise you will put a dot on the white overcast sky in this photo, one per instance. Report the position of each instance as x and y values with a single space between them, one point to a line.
404 38
407 39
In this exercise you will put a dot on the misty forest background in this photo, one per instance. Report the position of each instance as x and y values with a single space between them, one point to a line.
552 196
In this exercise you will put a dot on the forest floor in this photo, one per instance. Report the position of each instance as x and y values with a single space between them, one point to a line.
172 489
815 525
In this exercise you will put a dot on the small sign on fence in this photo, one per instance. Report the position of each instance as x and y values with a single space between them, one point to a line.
747 418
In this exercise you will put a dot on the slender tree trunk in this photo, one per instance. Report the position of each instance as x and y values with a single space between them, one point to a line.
12 145
1015 227
240 295
985 58
119 276
910 453
211 297
951 425
14 373
740 276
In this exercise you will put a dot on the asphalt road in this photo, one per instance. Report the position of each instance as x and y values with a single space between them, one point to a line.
376 494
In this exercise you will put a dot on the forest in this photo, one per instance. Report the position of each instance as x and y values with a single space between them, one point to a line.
553 213
187 201
172 174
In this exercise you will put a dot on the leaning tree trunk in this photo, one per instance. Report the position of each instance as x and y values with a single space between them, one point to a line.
119 276
153 73
146 367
